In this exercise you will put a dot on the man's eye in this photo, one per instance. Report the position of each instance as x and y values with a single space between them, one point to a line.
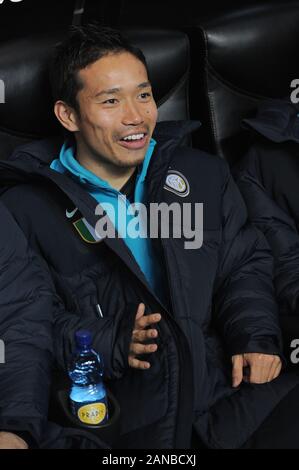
111 101
145 95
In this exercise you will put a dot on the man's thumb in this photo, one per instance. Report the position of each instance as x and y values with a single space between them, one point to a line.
140 311
237 372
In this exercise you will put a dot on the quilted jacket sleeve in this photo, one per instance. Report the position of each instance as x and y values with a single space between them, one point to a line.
245 308
25 334
279 229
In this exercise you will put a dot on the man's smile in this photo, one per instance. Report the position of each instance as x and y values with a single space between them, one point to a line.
134 141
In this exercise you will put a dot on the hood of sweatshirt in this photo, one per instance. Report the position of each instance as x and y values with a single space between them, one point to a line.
277 120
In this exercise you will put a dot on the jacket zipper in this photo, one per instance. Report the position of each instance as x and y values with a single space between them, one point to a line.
174 327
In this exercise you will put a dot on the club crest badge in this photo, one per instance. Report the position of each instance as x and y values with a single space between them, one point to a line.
84 229
177 183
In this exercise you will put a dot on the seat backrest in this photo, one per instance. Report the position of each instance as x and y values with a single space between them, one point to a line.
27 111
243 58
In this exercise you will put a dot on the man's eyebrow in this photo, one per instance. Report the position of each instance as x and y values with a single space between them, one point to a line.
112 91
144 85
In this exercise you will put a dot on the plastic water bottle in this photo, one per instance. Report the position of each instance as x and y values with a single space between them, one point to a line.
88 397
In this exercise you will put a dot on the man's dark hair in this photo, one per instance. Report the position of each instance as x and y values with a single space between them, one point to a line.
83 46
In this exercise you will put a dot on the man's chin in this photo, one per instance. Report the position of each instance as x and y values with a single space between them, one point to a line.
129 162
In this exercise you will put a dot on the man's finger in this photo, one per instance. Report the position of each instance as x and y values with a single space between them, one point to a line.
11 441
137 348
137 364
143 335
140 311
237 372
147 320
275 366
258 374
260 366
277 371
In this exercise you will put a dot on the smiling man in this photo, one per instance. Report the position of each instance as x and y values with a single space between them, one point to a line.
190 337
112 124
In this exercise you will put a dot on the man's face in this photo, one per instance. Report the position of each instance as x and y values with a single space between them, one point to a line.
115 103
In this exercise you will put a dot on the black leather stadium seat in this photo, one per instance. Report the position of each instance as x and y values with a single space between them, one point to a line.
238 60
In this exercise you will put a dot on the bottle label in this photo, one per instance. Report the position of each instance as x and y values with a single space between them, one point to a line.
94 413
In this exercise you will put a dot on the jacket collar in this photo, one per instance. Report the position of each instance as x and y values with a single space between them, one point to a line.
33 159
45 151
277 120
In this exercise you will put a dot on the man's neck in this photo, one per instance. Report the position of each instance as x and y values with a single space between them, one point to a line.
115 176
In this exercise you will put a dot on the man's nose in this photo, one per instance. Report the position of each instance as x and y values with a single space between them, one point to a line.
132 115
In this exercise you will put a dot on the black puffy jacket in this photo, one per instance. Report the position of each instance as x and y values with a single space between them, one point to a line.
268 177
26 329
221 295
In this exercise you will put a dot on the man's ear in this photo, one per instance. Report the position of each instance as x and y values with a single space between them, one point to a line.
66 115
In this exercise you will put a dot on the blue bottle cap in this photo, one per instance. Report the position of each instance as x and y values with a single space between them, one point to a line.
83 338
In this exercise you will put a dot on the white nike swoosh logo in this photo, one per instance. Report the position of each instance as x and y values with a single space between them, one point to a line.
71 214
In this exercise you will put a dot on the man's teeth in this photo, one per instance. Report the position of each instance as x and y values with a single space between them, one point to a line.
134 137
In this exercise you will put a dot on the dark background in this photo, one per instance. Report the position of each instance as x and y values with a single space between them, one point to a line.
36 16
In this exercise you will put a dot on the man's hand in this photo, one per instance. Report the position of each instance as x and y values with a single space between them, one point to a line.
11 441
141 333
262 368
